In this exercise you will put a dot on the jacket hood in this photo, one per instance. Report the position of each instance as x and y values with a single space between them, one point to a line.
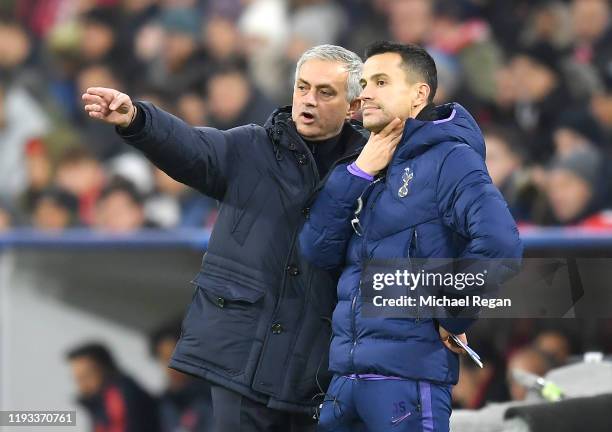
454 124
279 115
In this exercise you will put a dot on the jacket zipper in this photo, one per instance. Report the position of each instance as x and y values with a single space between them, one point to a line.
353 329
364 249
358 294
419 407
415 240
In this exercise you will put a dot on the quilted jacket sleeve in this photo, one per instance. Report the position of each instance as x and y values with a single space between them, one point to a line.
472 206
198 157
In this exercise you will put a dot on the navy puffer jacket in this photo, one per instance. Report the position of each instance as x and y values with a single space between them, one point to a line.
451 210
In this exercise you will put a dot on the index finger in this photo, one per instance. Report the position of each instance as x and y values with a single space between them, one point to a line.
105 93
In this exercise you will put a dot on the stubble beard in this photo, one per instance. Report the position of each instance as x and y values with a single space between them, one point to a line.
378 126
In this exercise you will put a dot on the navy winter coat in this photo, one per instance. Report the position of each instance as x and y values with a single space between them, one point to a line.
259 321
451 209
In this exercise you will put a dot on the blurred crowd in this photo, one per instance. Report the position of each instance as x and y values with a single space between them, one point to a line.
537 75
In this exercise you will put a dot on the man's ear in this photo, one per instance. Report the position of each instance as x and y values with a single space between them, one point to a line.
423 92
353 109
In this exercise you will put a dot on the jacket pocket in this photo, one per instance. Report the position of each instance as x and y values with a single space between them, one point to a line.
227 289
221 323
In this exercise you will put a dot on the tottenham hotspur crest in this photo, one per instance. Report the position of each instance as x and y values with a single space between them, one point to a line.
406 177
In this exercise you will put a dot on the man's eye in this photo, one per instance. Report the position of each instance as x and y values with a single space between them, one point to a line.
301 87
325 93
380 83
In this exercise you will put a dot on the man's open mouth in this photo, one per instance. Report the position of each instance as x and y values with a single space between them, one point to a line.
307 118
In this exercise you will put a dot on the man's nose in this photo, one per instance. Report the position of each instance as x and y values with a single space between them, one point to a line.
365 94
310 98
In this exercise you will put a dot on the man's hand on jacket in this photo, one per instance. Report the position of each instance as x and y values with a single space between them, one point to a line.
379 149
110 106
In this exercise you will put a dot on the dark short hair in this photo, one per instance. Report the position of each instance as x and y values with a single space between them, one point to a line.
96 352
60 197
414 59
118 184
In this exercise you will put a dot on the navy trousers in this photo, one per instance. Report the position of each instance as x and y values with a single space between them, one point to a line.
378 405
233 412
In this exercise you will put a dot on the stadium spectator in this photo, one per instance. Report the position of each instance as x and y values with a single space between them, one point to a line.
99 36
222 39
193 108
15 48
548 23
39 173
467 40
120 208
575 187
265 45
114 400
592 37
81 174
506 165
411 21
555 344
234 101
540 92
55 209
181 64
576 130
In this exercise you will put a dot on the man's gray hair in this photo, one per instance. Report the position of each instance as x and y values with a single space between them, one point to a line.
349 59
